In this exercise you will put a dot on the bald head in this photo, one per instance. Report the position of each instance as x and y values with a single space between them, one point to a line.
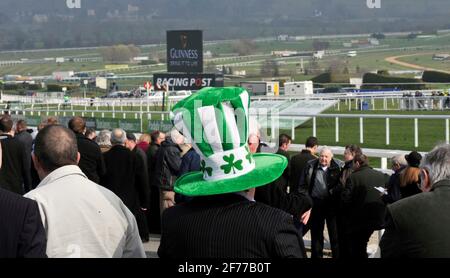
118 136
55 147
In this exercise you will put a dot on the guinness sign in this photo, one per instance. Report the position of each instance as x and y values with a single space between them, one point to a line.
185 51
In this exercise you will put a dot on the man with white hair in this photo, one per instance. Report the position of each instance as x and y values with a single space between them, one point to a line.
418 226
393 186
320 179
125 177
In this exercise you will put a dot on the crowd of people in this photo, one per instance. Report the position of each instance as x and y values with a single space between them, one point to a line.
101 195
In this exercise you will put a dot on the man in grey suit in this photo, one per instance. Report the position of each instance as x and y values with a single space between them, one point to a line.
418 226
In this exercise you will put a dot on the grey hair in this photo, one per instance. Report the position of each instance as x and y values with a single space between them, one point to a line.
326 149
118 136
104 138
399 159
437 162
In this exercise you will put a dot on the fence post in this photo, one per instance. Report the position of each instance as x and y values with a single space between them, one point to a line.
373 103
361 130
293 130
92 114
337 129
314 127
124 115
103 115
387 132
416 132
447 131
385 103
384 163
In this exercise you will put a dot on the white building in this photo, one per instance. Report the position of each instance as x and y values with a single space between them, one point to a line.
299 88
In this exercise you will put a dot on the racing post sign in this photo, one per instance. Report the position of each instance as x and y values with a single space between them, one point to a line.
185 51
184 81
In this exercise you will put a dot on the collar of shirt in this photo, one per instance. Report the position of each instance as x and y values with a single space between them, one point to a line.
60 173
245 196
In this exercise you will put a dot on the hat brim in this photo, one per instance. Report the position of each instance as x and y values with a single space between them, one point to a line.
268 167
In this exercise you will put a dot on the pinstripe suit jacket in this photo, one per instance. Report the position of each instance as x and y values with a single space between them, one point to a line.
21 231
228 226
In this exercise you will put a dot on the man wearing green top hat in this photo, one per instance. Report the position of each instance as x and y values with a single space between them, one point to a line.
223 220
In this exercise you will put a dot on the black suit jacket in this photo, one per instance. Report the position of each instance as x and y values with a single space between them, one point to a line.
91 160
298 164
15 173
21 232
419 226
228 226
125 177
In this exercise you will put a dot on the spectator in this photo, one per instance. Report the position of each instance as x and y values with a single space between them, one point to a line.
284 141
90 133
91 161
298 162
417 227
154 215
167 168
320 180
24 136
362 208
142 172
144 142
223 221
126 178
103 140
347 169
81 218
409 177
393 186
15 173
21 232
296 203
190 162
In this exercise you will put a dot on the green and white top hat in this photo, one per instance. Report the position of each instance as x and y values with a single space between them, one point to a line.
216 122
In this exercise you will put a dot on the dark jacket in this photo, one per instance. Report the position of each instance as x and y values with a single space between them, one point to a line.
190 162
27 140
151 162
346 171
393 188
22 234
228 226
418 227
308 176
143 173
362 207
123 177
298 164
91 160
295 203
167 166
15 173
283 180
